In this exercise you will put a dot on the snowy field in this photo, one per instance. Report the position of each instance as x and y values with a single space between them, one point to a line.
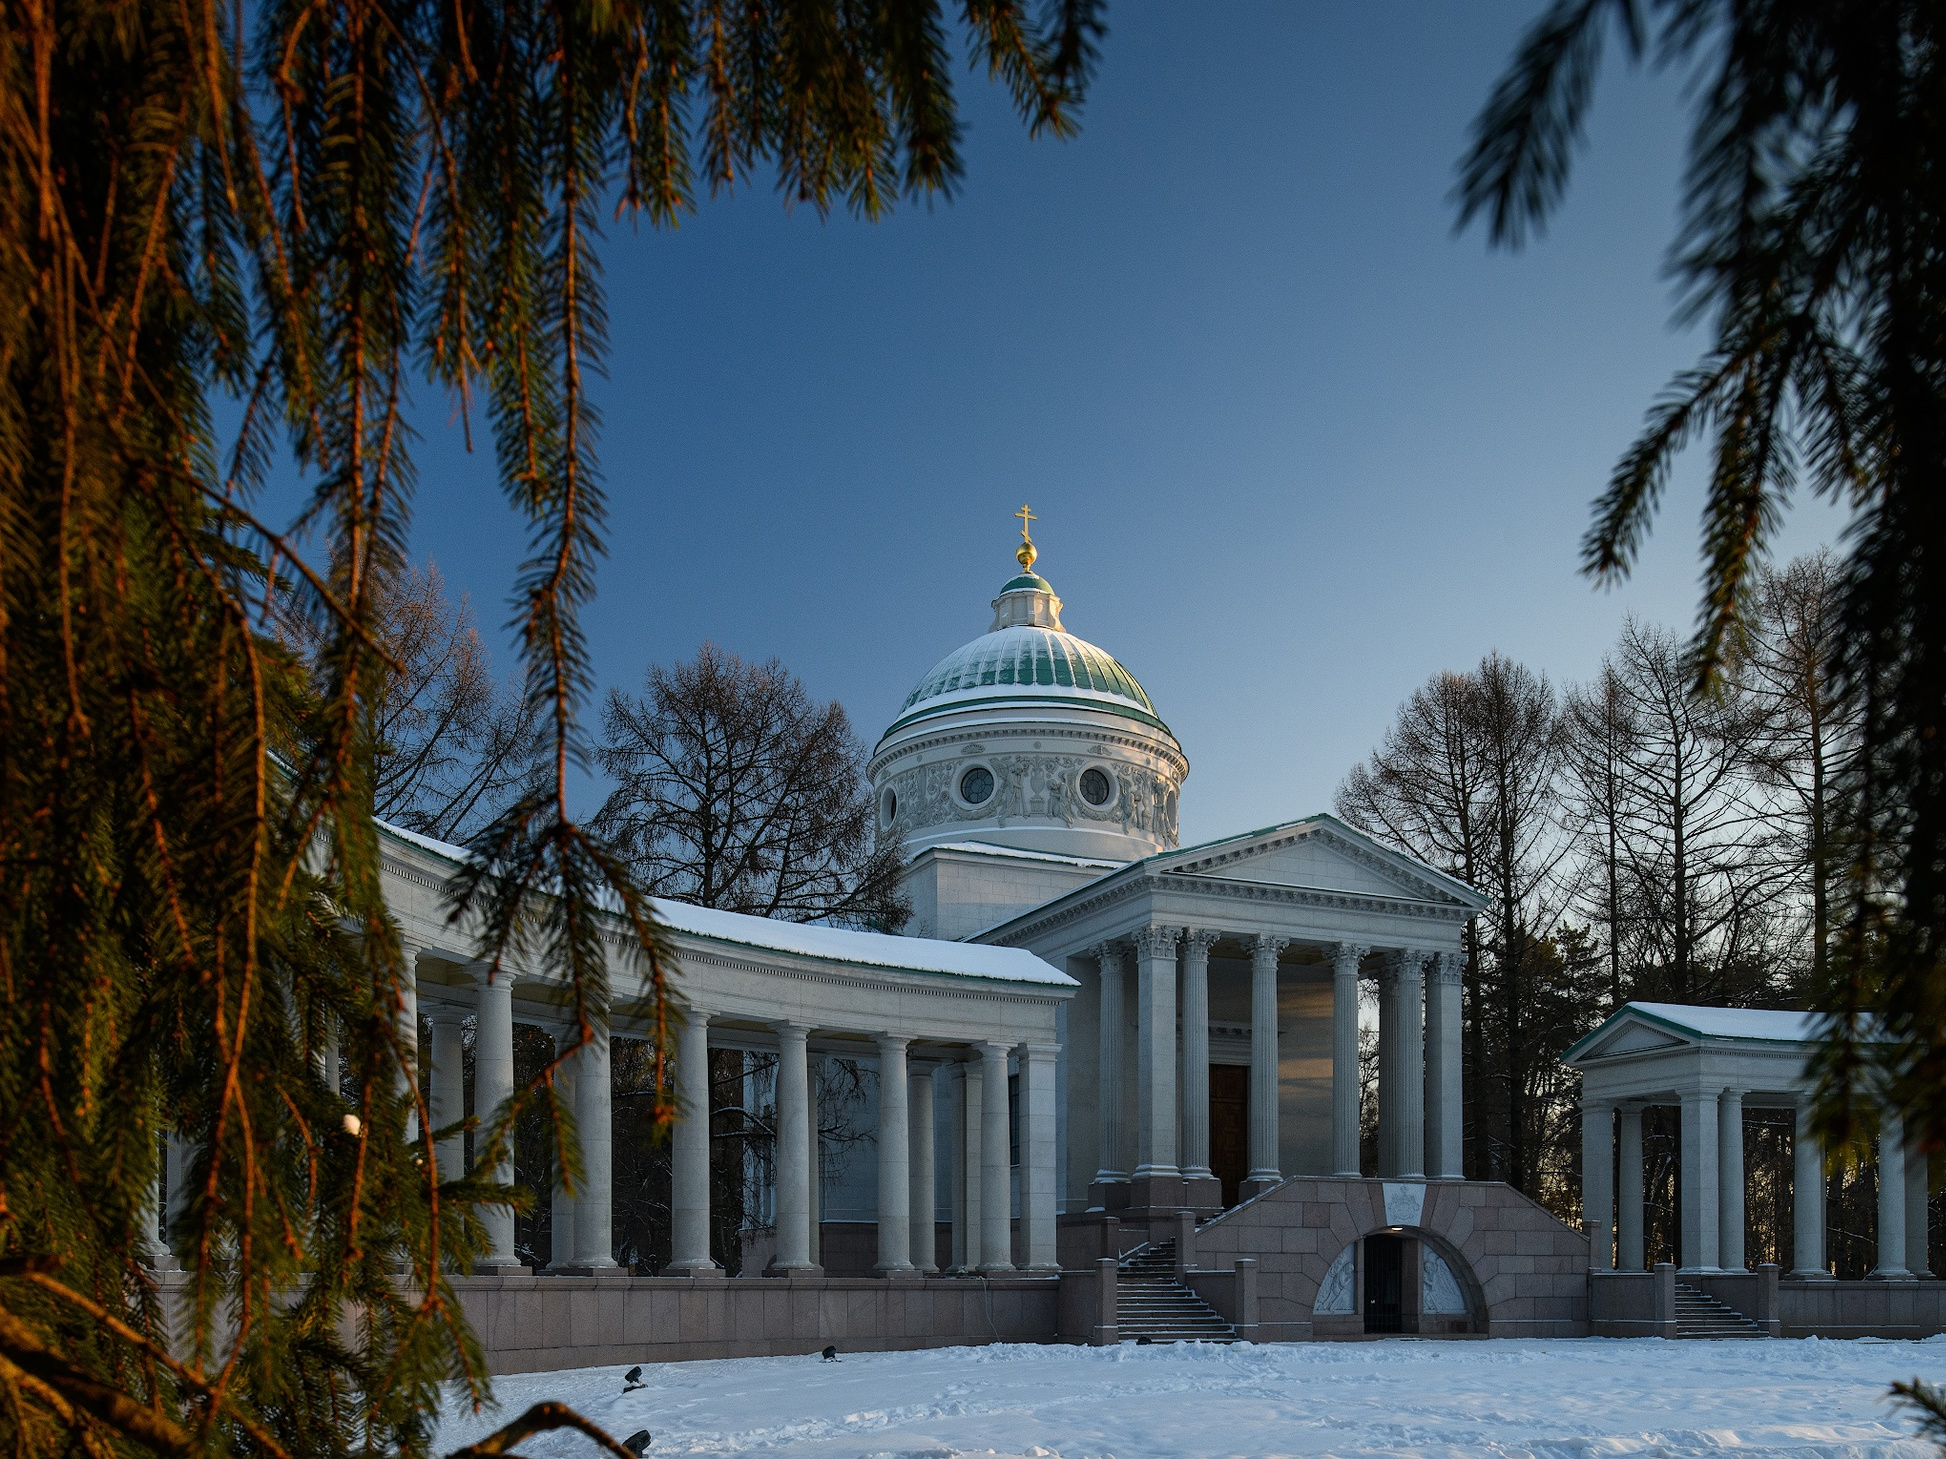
1577 1400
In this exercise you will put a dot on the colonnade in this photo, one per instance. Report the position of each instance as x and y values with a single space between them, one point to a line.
982 1165
1420 1116
1712 1188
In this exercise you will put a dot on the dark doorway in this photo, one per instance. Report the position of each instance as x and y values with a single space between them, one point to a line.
1229 1124
1384 1284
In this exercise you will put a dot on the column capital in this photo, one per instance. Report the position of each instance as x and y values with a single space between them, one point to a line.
1345 958
1448 967
1598 1106
1199 940
1403 964
1107 952
1266 946
992 1048
892 1040
486 972
1038 1050
1157 941
785 1028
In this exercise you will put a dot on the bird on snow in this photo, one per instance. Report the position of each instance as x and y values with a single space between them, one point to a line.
636 1442
831 1353
632 1379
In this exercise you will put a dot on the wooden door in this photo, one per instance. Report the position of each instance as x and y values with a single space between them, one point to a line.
1384 1284
1229 1127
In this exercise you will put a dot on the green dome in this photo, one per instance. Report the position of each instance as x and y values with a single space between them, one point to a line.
1029 582
1025 663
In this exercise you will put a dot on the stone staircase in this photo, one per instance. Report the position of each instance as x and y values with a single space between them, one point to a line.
1700 1315
1150 1303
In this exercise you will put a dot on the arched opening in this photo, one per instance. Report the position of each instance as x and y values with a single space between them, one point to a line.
1398 1280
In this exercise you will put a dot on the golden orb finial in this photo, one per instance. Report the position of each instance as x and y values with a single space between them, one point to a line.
1025 553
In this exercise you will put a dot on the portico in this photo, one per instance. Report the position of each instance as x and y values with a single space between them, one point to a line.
1713 1064
1253 951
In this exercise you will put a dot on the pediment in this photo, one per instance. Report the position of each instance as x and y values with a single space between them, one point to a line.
1319 855
1632 1036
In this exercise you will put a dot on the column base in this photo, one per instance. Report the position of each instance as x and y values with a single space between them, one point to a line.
1890 1274
903 1271
506 1268
704 1268
1810 1274
611 1272
1158 1192
1202 1192
1108 1194
795 1269
1256 1183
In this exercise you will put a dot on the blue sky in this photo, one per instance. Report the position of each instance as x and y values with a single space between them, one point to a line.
1294 446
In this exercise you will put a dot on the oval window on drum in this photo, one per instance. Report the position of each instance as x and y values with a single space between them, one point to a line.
976 785
1095 788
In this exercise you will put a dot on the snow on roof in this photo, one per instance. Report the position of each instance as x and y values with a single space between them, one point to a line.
1773 1025
835 944
987 848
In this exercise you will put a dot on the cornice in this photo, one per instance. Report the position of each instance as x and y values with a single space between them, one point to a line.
881 760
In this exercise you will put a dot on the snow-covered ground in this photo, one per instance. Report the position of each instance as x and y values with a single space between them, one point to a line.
1577 1400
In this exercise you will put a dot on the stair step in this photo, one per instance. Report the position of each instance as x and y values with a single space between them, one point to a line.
1151 1303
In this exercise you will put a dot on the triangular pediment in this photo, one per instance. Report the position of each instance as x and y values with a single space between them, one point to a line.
1319 854
1629 1031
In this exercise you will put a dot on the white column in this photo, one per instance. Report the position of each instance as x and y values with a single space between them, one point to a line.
1401 1066
996 1190
566 1239
1729 1180
1112 1168
967 1146
1699 1191
922 1218
689 1147
1918 1252
894 1159
1037 1171
1597 1178
1445 1094
1265 1137
406 1020
1155 1054
594 1209
447 1105
793 1162
1807 1198
1345 959
1628 1202
493 1086
1891 1199
1195 1055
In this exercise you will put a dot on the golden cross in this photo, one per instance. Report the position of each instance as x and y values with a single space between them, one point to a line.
1025 518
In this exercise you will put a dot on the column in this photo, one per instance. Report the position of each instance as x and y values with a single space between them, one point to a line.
1699 1192
793 1162
964 1079
1628 1202
1265 1138
1918 1253
1155 1064
1111 1170
447 1106
1037 1167
1345 959
1445 1094
894 1159
566 1239
1597 1177
1891 1199
1401 1066
689 1146
406 1019
1807 1198
594 1208
996 1190
923 1201
493 1086
1729 1180
1194 1143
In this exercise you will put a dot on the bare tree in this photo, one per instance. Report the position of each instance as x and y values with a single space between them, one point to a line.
1701 884
735 790
452 744
1805 737
1598 737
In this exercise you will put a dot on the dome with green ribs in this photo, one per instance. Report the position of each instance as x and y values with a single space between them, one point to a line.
1028 664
